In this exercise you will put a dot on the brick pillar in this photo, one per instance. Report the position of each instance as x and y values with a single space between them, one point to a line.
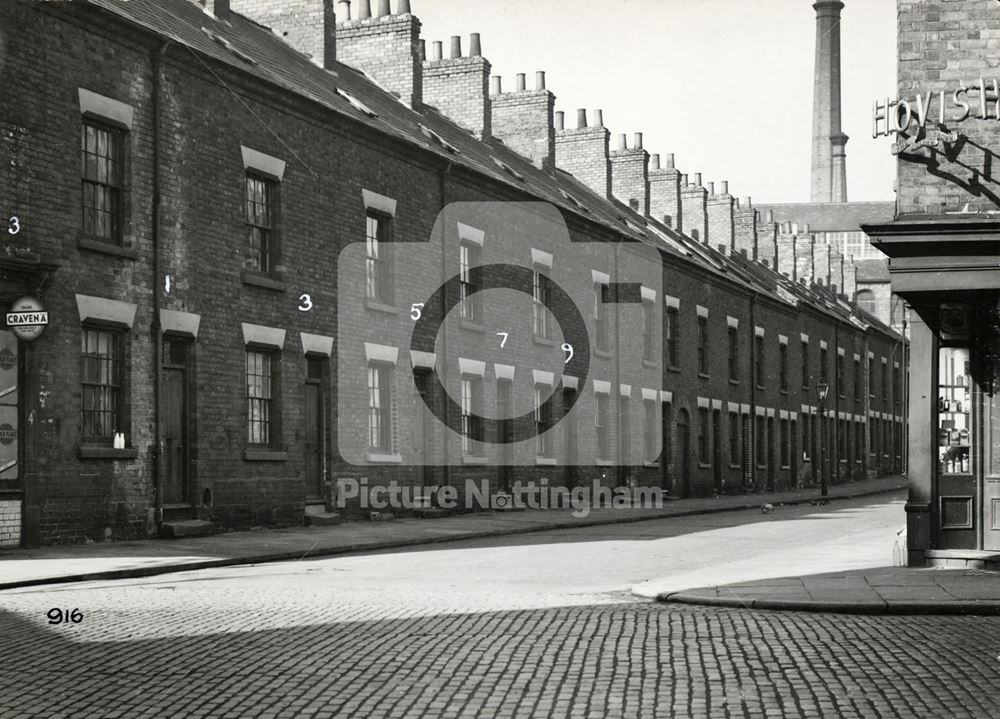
785 250
836 268
308 25
694 208
720 209
459 88
821 261
850 279
630 174
745 228
583 153
665 192
387 48
524 120
804 252
767 240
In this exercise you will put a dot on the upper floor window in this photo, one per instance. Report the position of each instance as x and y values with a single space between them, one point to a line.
857 380
541 298
468 258
602 296
824 375
102 355
648 332
805 365
702 345
102 151
734 354
672 339
261 197
759 372
377 266
783 366
841 382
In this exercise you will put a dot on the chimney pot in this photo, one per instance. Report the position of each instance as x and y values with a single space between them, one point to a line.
697 179
598 118
520 82
403 7
438 50
724 187
805 228
684 180
711 188
344 10
654 162
456 46
769 217
746 201
364 10
638 141
581 118
495 85
423 50
383 8
670 160
475 45
622 144
540 80
560 120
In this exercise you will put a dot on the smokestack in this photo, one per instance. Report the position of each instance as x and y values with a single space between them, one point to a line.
829 180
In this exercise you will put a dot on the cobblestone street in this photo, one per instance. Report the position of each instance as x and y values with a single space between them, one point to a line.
483 628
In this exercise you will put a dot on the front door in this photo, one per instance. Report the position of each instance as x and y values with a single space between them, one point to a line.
770 454
315 448
717 449
683 454
176 421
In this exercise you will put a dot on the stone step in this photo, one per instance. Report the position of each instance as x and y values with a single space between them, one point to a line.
381 516
187 528
322 519
430 512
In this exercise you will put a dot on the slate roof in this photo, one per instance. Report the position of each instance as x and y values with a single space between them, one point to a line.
832 216
253 49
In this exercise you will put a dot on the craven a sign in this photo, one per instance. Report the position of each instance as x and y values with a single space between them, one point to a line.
27 318
978 100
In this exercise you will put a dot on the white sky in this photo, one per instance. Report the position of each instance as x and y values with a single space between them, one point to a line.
726 85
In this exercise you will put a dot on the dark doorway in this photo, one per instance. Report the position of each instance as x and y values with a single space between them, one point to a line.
569 428
666 453
683 454
717 450
424 430
505 410
770 454
315 416
176 420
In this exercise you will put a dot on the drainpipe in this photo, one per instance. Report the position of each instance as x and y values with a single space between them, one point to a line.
751 471
443 193
836 402
622 470
155 331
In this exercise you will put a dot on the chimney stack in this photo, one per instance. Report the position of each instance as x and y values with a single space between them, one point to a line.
829 179
721 216
459 87
694 209
745 228
665 194
386 48
786 251
767 239
804 255
525 121
629 174
310 27
584 152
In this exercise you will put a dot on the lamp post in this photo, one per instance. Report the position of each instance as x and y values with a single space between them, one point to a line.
822 389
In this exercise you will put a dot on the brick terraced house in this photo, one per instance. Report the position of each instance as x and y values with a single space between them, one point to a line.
237 225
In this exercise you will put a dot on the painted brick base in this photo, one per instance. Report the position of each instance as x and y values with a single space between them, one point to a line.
10 522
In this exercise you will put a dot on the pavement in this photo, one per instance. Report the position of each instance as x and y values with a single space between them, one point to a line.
886 590
149 557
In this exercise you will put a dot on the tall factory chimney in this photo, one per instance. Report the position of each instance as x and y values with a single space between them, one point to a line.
829 159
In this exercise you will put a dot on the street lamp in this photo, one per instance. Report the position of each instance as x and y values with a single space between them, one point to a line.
822 389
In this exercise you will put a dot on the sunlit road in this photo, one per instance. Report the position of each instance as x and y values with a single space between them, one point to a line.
536 625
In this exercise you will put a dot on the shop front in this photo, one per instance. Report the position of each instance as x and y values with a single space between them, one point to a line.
946 268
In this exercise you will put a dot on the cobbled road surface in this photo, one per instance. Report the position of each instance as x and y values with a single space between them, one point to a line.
540 625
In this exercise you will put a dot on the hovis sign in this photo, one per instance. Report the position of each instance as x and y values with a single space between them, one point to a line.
27 319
